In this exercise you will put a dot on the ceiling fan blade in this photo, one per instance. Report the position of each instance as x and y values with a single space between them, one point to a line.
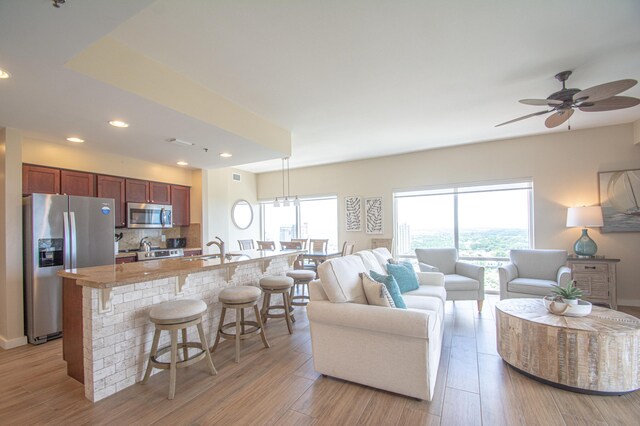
540 102
558 118
609 104
523 117
604 91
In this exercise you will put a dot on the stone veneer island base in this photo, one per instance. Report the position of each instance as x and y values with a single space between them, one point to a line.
107 333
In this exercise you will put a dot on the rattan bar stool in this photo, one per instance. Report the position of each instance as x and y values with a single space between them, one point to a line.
277 285
301 279
239 298
173 316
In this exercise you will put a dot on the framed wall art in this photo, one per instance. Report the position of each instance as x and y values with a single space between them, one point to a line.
353 213
620 199
373 212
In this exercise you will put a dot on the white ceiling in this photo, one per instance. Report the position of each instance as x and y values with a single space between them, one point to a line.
348 79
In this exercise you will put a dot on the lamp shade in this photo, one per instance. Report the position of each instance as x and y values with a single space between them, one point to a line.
585 217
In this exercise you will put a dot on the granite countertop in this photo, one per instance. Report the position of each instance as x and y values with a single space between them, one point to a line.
116 275
133 252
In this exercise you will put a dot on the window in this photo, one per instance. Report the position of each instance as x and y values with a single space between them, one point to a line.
315 218
483 222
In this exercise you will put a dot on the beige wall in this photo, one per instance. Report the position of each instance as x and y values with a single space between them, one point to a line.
11 310
220 191
563 166
80 157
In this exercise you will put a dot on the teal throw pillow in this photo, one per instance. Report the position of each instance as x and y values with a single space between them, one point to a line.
405 276
392 287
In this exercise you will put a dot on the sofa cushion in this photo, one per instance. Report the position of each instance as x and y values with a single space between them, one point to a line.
370 261
383 255
538 264
405 276
455 282
429 290
531 286
376 292
392 286
443 259
341 280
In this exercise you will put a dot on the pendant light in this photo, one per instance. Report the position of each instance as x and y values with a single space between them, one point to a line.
287 199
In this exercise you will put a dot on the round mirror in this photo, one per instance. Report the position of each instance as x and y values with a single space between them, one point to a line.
242 214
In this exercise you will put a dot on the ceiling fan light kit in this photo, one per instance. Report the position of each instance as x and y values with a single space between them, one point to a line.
594 99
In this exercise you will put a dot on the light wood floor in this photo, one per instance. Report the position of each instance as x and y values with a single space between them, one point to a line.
279 386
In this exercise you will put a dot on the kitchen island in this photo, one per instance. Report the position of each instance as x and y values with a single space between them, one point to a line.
106 329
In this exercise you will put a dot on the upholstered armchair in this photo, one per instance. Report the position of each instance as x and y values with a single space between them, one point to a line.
462 280
533 273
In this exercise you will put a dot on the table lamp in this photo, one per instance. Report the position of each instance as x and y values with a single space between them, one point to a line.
585 217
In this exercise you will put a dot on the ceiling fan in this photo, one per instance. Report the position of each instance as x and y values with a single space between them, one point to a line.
597 98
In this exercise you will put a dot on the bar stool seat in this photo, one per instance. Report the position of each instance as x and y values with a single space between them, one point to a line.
301 279
173 316
277 285
239 298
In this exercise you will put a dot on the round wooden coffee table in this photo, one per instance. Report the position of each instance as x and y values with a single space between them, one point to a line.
595 354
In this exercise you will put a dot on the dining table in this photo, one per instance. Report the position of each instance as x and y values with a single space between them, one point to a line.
320 256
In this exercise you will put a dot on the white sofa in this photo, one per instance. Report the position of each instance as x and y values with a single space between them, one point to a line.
533 273
397 350
462 280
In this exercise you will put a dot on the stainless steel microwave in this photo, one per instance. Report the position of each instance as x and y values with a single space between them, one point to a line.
141 215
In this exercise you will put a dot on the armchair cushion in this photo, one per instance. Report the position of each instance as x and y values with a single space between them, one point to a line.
341 280
531 286
538 264
405 276
443 259
456 282
392 287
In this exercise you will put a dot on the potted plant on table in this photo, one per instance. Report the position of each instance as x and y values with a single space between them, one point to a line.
569 294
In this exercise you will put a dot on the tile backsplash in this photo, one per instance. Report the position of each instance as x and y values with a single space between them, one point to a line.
131 237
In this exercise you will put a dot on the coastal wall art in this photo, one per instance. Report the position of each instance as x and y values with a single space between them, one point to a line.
353 212
619 199
373 212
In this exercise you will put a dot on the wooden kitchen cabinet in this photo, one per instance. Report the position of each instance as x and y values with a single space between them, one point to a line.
40 180
596 278
137 191
77 183
114 187
192 252
160 193
180 200
126 259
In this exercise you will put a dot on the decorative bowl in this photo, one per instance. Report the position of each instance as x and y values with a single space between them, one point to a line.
582 309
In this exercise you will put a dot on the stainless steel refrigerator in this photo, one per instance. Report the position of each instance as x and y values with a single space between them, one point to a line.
60 232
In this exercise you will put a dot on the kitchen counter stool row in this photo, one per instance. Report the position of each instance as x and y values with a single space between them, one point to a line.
178 315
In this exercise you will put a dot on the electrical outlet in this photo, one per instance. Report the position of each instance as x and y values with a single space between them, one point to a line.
164 238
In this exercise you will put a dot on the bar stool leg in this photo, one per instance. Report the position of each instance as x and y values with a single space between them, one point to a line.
263 336
152 354
174 358
266 301
242 320
287 314
290 304
185 349
238 331
215 344
205 348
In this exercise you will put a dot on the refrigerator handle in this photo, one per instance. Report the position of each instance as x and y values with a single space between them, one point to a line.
67 240
73 244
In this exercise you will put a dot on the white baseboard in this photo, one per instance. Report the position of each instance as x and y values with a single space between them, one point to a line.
629 302
12 343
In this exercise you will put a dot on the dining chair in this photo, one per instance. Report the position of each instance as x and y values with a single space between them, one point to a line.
318 245
382 242
304 242
347 248
266 245
246 244
290 245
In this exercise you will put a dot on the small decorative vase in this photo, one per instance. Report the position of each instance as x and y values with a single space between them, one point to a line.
585 246
570 301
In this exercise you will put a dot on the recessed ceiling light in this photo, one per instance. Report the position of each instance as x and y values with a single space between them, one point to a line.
4 74
74 139
225 155
182 163
118 123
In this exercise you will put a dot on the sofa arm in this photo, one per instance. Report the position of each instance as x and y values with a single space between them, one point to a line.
564 276
427 268
431 278
470 270
378 319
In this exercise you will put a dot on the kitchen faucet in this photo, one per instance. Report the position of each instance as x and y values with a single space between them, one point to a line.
220 246
145 245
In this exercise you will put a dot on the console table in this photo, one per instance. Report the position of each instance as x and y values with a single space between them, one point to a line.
596 277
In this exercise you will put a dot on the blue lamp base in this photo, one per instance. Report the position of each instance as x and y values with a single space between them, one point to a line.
585 246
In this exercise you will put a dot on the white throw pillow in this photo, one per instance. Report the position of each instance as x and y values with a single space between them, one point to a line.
377 293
